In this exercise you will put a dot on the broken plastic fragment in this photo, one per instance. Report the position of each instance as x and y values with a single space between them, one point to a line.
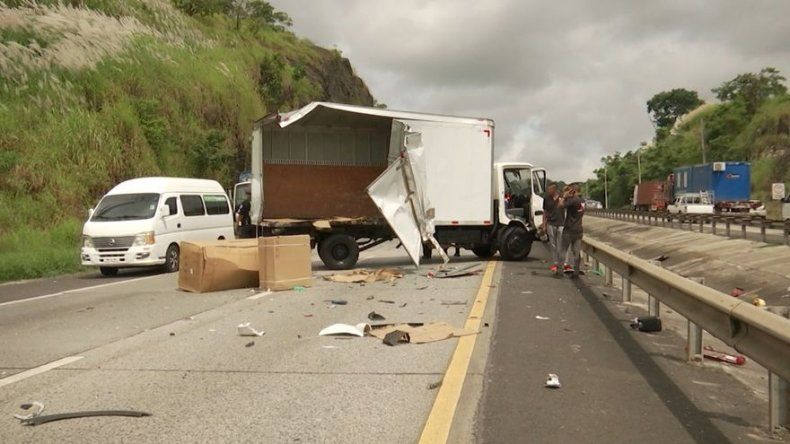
542 318
553 381
346 329
246 330
373 316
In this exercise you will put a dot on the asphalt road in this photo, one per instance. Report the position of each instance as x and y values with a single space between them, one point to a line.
140 343
618 385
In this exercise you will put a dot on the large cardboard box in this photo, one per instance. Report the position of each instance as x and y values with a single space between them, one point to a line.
218 265
285 262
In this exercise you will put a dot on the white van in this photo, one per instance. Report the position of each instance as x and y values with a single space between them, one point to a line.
140 222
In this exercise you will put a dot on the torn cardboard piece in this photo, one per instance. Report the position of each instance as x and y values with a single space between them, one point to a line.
246 330
218 265
346 329
421 334
454 272
285 262
365 276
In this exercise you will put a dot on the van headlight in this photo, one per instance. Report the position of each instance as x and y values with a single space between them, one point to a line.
146 238
87 242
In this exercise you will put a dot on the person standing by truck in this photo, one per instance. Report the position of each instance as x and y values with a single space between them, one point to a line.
553 221
243 219
573 231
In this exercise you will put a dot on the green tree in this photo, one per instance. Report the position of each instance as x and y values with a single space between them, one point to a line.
752 89
201 7
667 106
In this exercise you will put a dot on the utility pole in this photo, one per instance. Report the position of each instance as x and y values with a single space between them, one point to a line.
605 188
639 164
702 139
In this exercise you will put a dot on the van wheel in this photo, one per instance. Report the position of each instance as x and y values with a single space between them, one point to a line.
108 271
172 258
484 251
515 243
339 252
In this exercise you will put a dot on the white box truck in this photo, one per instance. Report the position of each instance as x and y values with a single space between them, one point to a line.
353 177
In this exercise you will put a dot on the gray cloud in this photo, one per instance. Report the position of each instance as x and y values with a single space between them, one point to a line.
566 82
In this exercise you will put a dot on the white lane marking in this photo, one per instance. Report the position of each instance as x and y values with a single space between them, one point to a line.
60 293
259 295
38 370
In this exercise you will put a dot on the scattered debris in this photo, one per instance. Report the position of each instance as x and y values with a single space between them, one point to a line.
422 333
373 316
647 324
369 298
736 292
246 330
172 334
553 381
758 302
396 337
423 287
661 258
386 301
329 346
364 276
595 272
298 288
527 292
402 305
453 303
720 356
36 418
542 318
485 324
337 302
308 316
345 329
249 344
435 385
567 329
576 348
453 272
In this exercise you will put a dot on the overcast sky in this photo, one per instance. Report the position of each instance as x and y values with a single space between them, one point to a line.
565 81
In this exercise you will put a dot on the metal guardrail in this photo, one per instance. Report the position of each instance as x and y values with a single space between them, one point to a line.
715 221
758 334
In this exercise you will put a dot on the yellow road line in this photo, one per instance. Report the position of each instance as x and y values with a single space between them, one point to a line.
437 428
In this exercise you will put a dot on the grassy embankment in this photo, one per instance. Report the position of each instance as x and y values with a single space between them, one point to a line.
95 95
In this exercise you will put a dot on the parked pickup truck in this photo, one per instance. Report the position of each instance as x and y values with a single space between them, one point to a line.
692 203
353 177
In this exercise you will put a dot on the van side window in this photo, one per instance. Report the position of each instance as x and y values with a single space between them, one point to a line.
172 204
216 204
192 205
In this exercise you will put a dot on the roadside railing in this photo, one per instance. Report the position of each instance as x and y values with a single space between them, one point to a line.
720 224
758 334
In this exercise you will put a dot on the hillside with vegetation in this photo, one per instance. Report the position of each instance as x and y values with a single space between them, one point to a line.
94 92
750 123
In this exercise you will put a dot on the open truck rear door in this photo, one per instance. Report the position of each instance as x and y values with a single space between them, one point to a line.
538 191
399 194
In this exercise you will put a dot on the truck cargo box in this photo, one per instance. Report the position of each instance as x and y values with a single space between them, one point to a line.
649 196
727 181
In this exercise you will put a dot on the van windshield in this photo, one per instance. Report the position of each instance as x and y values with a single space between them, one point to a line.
126 207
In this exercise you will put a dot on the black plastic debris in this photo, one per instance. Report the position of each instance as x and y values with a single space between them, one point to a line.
396 337
249 344
36 418
648 324
373 316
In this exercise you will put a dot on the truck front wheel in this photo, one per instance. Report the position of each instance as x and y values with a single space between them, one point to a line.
339 252
484 251
515 243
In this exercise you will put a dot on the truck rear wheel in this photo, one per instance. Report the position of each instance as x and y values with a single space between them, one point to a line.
515 243
484 251
339 252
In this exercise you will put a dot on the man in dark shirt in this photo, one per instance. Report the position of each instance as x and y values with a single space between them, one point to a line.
243 211
553 220
573 232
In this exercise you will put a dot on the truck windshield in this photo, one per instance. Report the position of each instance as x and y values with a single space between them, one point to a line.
126 207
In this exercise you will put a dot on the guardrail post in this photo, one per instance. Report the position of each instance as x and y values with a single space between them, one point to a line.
762 230
608 275
626 288
727 226
653 304
694 337
701 222
778 402
596 264
713 225
663 221
743 229
787 232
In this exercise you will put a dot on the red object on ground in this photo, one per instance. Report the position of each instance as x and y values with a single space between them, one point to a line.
567 267
553 268
735 292
716 355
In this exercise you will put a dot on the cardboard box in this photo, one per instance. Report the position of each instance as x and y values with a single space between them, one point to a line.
285 262
218 265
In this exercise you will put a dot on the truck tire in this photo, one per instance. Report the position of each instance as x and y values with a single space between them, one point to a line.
515 243
108 271
339 252
484 251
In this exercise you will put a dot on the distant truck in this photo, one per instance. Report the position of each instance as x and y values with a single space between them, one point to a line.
354 177
650 196
728 183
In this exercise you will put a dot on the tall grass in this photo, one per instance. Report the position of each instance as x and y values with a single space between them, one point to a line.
28 252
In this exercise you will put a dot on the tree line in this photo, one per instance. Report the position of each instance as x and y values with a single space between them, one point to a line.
750 123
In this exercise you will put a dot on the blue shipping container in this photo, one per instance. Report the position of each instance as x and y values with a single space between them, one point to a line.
731 183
